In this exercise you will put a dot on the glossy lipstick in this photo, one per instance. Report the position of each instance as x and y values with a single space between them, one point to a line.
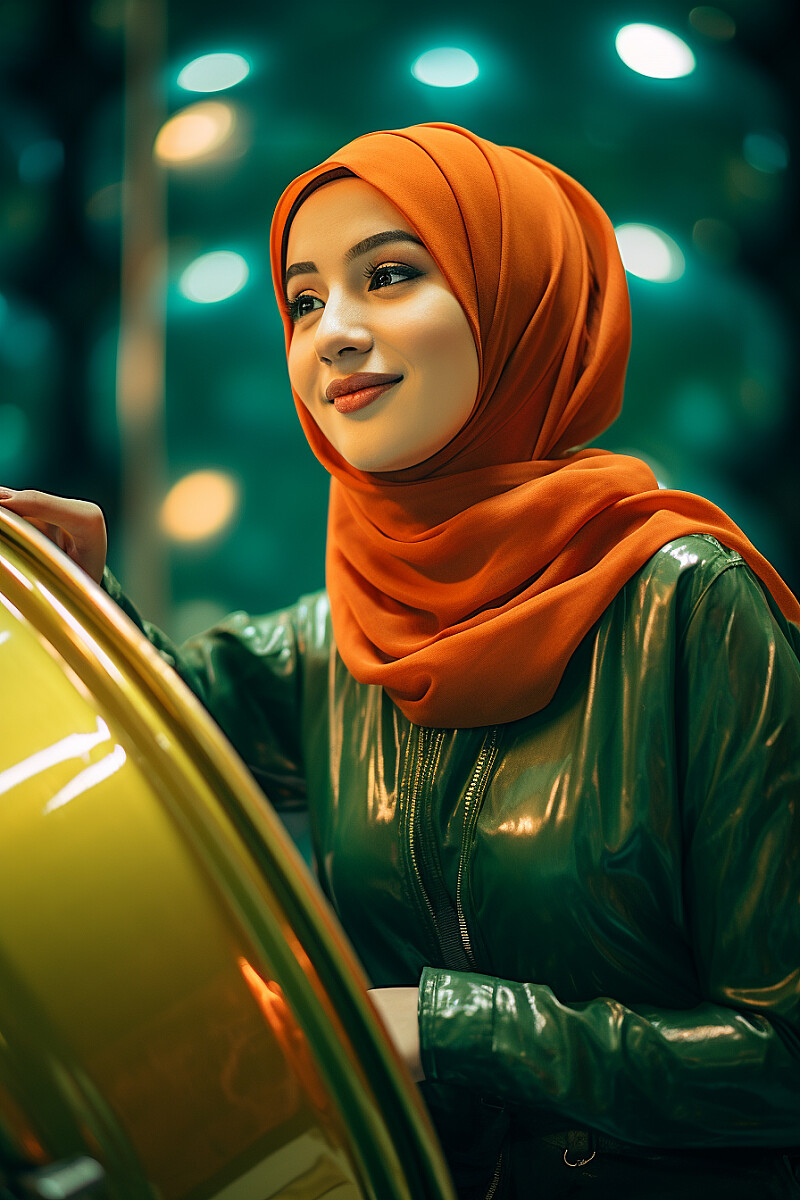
357 391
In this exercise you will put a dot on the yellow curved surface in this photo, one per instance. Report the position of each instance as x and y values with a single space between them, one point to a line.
158 1009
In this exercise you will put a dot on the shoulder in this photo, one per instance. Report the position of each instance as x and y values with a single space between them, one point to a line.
693 561
696 587
714 595
683 572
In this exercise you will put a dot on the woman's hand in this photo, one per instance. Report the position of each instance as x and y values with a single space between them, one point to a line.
76 526
397 1008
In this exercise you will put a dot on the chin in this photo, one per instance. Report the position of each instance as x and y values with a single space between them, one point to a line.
373 466
372 460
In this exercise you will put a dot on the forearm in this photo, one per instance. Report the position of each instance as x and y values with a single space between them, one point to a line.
707 1076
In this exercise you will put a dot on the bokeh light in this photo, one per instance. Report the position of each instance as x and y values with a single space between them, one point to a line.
653 51
706 158
712 22
650 253
768 152
445 67
41 161
214 276
198 131
199 506
744 182
26 335
213 72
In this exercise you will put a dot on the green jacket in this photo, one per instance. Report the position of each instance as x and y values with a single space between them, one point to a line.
600 901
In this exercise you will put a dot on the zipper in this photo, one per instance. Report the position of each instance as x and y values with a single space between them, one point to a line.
493 1186
445 918
412 817
452 923
448 924
471 809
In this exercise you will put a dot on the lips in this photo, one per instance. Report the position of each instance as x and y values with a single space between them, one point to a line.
356 391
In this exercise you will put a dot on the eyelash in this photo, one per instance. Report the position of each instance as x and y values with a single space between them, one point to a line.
370 271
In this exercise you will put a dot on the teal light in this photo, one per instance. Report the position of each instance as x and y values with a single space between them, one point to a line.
653 51
14 433
650 253
766 152
214 277
446 67
213 72
41 161
26 336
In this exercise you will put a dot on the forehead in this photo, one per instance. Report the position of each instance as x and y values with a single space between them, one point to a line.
337 215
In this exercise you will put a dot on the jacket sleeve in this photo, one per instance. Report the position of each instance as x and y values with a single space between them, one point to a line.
247 672
727 1071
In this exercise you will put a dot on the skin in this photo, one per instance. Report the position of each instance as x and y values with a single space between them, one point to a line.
403 320
76 526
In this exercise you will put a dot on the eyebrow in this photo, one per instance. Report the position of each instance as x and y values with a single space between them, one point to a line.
368 243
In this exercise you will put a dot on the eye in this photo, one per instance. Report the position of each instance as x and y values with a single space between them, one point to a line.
302 305
389 273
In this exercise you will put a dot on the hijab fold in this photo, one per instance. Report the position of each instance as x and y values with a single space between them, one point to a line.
463 585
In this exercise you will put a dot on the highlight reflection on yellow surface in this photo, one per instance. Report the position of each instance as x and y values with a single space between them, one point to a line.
87 778
270 999
74 745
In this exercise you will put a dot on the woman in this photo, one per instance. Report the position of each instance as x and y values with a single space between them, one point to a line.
546 717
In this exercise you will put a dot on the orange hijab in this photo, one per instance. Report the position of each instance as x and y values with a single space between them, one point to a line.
463 585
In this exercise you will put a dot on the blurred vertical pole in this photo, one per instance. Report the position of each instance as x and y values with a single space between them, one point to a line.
141 354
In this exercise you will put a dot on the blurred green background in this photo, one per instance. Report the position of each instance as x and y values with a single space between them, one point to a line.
188 437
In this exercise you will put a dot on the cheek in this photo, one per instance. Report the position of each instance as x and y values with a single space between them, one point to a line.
299 372
442 346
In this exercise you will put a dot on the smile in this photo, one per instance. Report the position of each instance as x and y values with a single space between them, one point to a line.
357 391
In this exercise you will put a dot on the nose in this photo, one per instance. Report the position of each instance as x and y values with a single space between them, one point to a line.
341 330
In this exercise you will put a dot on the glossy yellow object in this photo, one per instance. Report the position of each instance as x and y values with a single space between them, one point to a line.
176 1000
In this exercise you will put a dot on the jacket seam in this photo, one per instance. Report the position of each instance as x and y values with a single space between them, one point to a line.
728 567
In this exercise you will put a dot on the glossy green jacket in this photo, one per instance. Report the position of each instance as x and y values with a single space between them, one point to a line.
600 901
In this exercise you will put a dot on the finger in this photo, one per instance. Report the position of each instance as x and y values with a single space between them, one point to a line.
30 503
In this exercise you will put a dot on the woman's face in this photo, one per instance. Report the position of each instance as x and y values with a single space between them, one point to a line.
367 300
